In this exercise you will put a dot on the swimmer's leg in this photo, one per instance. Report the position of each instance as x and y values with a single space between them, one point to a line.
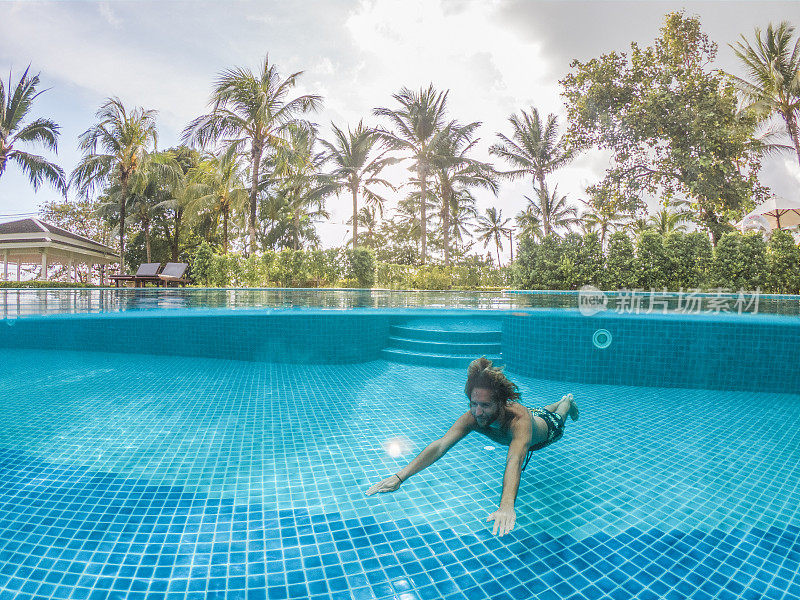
565 406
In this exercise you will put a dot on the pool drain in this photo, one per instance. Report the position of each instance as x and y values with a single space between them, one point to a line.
601 339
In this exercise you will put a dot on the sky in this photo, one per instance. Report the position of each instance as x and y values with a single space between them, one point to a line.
496 57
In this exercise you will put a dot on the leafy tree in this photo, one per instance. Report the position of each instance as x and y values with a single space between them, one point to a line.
534 149
492 227
753 250
368 220
783 263
651 260
456 172
217 184
201 264
671 217
552 210
637 226
461 218
416 124
78 216
250 113
179 191
529 223
355 169
740 261
405 226
115 150
688 257
145 197
671 124
602 212
773 69
360 267
590 260
620 271
302 186
14 108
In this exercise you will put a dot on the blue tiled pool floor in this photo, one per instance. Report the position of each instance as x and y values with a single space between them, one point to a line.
125 476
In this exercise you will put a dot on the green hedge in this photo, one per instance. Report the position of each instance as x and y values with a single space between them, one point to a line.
468 276
652 261
338 267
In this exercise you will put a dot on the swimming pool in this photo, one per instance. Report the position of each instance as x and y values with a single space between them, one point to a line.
15 302
215 453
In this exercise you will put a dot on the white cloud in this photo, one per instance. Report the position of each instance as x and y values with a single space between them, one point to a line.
100 62
109 15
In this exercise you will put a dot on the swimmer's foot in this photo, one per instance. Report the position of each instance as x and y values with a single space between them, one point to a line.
574 413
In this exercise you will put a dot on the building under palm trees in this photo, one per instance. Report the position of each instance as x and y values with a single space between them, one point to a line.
33 242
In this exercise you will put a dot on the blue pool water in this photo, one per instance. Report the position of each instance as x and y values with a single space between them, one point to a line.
142 475
25 302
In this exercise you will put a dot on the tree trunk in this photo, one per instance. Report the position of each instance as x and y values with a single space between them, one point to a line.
497 245
545 210
791 125
296 229
123 200
146 226
446 224
178 218
423 226
511 244
354 189
225 229
256 156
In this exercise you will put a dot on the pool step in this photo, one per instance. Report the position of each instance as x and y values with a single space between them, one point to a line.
453 343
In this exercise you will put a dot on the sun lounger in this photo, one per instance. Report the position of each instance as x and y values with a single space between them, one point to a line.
146 272
173 273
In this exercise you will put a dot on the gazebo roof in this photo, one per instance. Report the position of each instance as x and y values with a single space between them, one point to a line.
27 239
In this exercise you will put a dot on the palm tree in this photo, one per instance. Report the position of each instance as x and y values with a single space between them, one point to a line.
534 149
125 142
455 171
585 227
637 225
667 220
462 215
406 220
416 125
601 213
218 185
552 210
250 112
298 170
145 200
179 192
14 107
773 66
492 227
529 223
368 219
354 170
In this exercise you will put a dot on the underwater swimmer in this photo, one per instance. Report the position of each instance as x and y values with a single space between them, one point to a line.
495 413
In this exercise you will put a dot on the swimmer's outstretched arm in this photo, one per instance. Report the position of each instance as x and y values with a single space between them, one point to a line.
505 517
432 452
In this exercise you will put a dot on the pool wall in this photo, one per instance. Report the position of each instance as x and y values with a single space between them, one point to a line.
285 336
709 352
723 352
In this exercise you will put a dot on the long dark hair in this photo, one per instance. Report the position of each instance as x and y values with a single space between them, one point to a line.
481 374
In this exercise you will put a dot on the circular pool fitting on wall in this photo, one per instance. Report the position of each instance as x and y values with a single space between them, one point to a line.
602 339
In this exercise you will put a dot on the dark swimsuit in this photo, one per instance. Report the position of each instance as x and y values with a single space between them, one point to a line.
555 429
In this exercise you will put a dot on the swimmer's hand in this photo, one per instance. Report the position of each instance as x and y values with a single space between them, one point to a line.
504 520
390 484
